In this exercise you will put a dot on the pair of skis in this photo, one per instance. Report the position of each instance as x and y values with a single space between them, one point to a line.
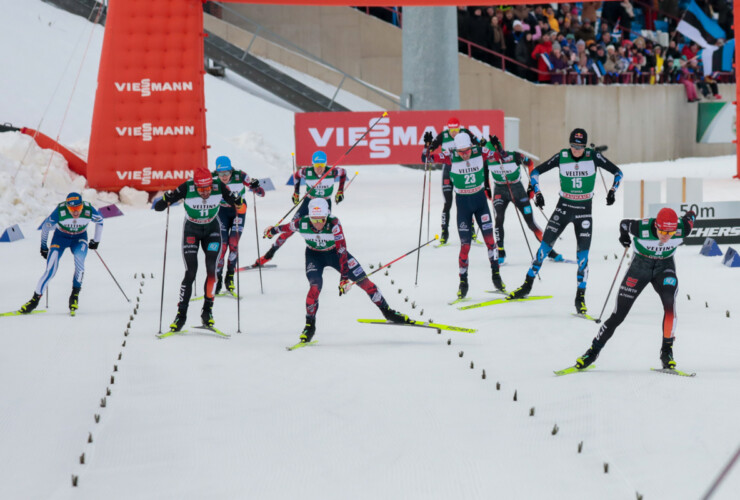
221 294
18 313
211 329
669 371
496 301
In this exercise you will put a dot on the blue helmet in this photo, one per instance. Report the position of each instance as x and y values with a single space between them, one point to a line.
223 164
319 158
74 200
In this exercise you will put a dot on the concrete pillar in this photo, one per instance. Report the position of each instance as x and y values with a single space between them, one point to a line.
430 70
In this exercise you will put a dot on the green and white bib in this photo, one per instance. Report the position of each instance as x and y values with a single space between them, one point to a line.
70 225
648 245
197 209
577 177
236 185
321 189
467 176
321 241
506 171
448 142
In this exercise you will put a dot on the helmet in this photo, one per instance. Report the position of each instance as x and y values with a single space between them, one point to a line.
223 164
318 207
319 158
453 123
74 200
578 136
462 141
203 178
667 220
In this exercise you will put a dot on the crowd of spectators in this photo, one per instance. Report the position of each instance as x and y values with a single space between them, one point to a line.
622 41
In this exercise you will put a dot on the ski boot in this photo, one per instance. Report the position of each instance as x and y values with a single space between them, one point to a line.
501 255
73 305
445 236
666 354
219 285
206 315
179 321
581 301
556 257
394 316
31 304
229 280
261 261
497 282
588 357
462 291
523 290
309 330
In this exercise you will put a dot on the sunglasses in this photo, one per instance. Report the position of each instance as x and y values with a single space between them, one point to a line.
318 220
456 130
464 151
319 165
75 210
665 233
578 147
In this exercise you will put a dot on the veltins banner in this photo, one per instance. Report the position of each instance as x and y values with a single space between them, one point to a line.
397 138
716 123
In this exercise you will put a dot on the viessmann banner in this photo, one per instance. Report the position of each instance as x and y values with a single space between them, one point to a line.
397 138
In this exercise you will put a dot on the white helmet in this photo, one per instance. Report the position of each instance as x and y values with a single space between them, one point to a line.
462 141
318 207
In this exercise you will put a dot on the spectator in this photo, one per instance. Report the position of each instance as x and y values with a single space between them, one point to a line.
687 79
550 15
479 32
606 40
708 86
559 64
586 32
659 65
672 51
462 29
498 43
522 49
690 51
540 54
589 11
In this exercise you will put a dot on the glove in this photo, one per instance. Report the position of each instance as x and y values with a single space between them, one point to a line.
339 197
610 197
254 184
530 191
296 198
690 215
539 200
269 232
93 245
488 192
161 205
344 285
496 143
44 252
428 138
625 240
239 201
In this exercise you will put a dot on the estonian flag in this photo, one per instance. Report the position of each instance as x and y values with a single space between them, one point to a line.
546 58
699 27
598 69
718 58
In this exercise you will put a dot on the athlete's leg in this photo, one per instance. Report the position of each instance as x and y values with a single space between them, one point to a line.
79 250
583 227
483 217
555 227
314 274
211 244
56 249
225 218
447 194
464 223
501 201
665 284
190 242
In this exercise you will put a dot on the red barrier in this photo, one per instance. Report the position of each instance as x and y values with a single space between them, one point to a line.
76 164
148 128
398 138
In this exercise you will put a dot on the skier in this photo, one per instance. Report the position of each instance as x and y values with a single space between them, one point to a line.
469 176
232 222
446 141
326 247
508 189
577 166
655 241
69 220
316 188
202 198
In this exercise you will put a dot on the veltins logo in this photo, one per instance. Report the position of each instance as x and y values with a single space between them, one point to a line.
147 131
146 87
147 174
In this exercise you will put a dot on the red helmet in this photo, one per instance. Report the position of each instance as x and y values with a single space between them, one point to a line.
453 123
203 178
667 220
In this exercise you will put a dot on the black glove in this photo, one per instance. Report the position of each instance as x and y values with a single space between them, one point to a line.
160 205
239 201
610 197
254 183
496 143
93 245
339 197
488 192
44 252
691 215
539 200
428 138
625 240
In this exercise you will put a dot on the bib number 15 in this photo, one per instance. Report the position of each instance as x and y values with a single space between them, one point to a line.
577 182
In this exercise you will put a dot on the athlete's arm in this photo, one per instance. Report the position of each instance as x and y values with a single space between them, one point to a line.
534 176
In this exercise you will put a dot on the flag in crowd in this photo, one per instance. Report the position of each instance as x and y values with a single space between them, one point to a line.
699 27
718 58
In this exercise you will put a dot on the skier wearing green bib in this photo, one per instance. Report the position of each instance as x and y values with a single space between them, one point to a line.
655 241
326 247
202 199
577 166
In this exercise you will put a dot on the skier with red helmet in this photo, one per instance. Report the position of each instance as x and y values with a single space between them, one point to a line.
655 242
202 199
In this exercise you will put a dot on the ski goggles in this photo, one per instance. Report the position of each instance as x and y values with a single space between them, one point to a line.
319 165
74 209
665 233
455 130
464 151
578 147
318 220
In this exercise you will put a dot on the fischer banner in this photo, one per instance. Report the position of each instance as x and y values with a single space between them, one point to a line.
397 138
148 129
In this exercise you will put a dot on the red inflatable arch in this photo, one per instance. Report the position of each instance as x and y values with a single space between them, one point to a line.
149 127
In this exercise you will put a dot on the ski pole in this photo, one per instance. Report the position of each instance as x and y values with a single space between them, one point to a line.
47 296
164 267
310 190
292 155
257 238
421 217
612 287
436 237
599 150
350 181
111 275
722 475
238 284
429 204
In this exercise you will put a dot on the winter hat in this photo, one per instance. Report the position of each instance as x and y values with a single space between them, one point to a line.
319 158
516 23
667 220
462 141
578 136
555 46
318 208
453 123
203 178
223 164
74 200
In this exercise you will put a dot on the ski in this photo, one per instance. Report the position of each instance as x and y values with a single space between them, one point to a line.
498 292
572 369
263 266
18 313
164 335
221 294
584 316
457 301
300 344
504 301
212 329
445 244
72 312
673 371
420 324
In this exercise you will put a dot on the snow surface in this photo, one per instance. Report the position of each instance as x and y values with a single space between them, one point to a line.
371 411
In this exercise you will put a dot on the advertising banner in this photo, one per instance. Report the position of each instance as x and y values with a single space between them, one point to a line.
397 138
714 219
716 123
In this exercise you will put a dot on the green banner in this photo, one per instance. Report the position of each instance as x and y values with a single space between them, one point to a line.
716 123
